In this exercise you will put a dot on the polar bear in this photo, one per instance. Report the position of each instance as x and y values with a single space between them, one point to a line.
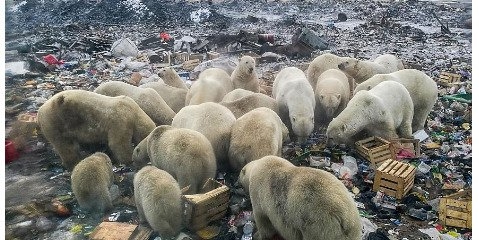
385 111
171 77
299 202
236 94
256 134
212 120
332 95
212 85
158 201
73 118
296 102
322 63
245 104
184 153
148 100
173 96
390 62
361 70
91 180
422 89
244 76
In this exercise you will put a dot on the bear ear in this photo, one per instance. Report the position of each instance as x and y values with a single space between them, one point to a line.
369 87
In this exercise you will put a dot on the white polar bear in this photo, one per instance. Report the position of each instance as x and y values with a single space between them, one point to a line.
299 202
212 120
332 95
212 85
256 134
385 111
296 102
422 89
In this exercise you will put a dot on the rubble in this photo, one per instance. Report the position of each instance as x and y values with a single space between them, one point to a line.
80 44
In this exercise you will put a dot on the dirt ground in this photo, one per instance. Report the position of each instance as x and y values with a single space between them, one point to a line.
37 188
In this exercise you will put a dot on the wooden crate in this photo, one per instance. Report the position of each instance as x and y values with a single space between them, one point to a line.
120 231
394 178
448 79
411 145
201 209
456 210
374 149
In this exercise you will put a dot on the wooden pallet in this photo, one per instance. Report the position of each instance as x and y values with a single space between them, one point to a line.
448 79
394 178
374 149
120 231
201 209
456 210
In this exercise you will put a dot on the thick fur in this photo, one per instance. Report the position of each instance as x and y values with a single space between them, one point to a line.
332 95
322 63
173 96
171 77
244 76
245 104
385 111
361 70
299 202
74 117
296 102
422 89
390 62
212 85
212 120
91 180
184 153
256 134
158 201
148 100
236 94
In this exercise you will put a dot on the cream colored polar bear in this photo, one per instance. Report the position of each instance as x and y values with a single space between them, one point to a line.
296 102
361 70
184 153
171 77
385 111
332 95
245 104
244 76
212 120
236 94
73 118
148 100
212 85
422 89
299 202
322 63
158 201
390 62
173 96
91 180
256 134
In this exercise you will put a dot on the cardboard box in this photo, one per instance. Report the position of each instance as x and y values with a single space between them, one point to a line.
394 178
201 209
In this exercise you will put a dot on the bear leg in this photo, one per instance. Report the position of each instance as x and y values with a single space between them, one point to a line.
120 145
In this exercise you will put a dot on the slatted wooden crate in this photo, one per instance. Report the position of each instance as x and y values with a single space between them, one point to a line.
394 178
374 149
201 209
411 145
120 231
456 210
447 79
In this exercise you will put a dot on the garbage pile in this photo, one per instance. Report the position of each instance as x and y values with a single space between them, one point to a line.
82 47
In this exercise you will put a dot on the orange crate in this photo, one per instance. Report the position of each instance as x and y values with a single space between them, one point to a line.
374 149
201 209
456 210
394 178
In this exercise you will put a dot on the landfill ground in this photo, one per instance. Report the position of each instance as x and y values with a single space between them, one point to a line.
432 36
